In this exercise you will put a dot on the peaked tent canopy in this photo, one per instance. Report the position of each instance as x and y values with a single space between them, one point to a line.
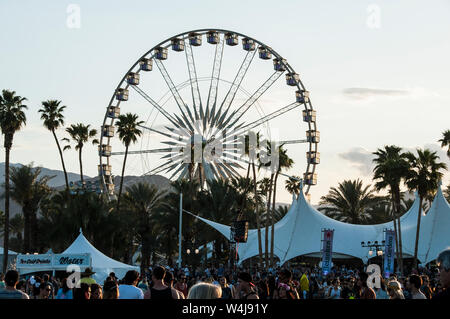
102 265
299 232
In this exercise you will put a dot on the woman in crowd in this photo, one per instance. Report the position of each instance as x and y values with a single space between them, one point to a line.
64 292
96 291
394 290
205 290
334 292
110 290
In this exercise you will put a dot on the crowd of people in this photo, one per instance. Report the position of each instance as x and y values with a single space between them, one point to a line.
242 283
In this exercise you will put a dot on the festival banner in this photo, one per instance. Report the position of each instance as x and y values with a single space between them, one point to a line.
389 252
52 261
327 250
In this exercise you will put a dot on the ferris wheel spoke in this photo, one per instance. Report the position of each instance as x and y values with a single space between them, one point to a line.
212 95
156 105
159 150
162 133
184 172
176 171
173 90
237 115
293 142
228 100
262 120
196 97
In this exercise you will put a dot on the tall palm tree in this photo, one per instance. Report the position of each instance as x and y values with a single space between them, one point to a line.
249 153
285 163
292 185
424 177
12 118
390 169
28 189
445 141
143 200
349 202
52 115
81 134
127 127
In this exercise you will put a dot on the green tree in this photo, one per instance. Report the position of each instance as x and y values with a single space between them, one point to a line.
80 134
28 189
390 169
445 141
292 185
52 115
349 202
128 129
424 176
12 118
143 200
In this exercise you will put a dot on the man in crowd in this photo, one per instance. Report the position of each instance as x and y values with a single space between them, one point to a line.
443 262
10 291
160 290
181 285
245 288
128 289
168 280
365 292
304 285
414 284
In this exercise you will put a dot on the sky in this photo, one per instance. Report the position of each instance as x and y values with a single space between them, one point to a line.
378 72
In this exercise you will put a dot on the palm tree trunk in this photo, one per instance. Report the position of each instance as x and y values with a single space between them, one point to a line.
272 232
8 144
416 246
62 159
26 230
397 253
266 240
258 222
123 174
81 164
400 246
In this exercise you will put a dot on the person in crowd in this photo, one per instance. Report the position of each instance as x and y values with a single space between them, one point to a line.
46 280
2 281
143 283
263 289
168 281
245 288
36 282
110 290
365 292
113 276
426 289
414 284
96 291
11 279
64 292
304 286
22 285
285 291
405 287
381 292
83 292
227 292
160 290
347 291
205 290
285 277
45 291
181 284
394 290
128 289
443 262
334 292
86 277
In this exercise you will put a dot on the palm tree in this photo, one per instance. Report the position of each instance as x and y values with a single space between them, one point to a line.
285 162
52 115
447 193
445 141
249 154
28 189
292 185
127 127
12 118
390 169
424 177
349 202
81 134
143 200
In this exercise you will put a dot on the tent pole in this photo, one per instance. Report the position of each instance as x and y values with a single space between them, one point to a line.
179 232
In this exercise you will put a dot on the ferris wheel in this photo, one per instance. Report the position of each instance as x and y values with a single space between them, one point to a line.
227 92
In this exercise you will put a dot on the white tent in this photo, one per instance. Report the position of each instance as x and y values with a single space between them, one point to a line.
299 233
102 265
